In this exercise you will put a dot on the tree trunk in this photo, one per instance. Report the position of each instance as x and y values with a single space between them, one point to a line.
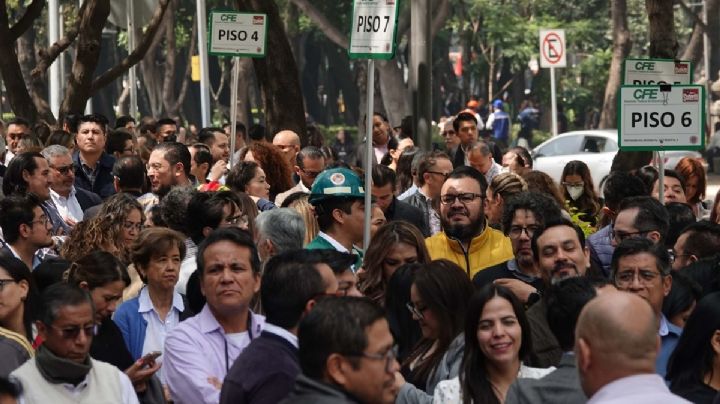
663 41
20 101
80 82
168 89
713 27
622 43
277 74
243 91
394 91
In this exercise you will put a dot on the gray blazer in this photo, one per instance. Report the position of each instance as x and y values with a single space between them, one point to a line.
448 368
559 387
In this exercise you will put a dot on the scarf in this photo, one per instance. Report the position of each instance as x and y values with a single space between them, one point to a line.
57 370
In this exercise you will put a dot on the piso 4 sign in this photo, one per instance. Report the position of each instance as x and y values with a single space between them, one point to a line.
661 117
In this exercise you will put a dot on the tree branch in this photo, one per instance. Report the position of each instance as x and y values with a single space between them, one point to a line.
25 22
137 54
323 23
695 16
47 56
188 68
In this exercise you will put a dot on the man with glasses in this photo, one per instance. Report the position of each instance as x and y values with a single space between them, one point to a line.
697 241
640 217
62 369
523 215
26 228
168 167
308 164
266 370
466 239
480 157
433 169
346 354
642 267
452 141
70 201
93 166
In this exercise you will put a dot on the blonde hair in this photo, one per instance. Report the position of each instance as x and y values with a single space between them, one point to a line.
507 184
302 206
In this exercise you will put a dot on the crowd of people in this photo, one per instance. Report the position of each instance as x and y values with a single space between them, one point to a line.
153 263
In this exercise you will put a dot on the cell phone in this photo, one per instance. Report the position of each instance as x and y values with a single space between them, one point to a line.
150 357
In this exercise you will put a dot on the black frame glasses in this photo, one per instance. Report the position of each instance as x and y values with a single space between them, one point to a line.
464 198
73 332
390 356
4 282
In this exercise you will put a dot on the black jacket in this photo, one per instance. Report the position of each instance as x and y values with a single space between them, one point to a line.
86 199
264 372
103 185
399 210
310 391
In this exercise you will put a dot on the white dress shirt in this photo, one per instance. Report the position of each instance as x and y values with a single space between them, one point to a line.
69 208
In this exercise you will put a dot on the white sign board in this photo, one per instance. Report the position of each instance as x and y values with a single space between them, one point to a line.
374 27
653 119
552 48
647 72
237 34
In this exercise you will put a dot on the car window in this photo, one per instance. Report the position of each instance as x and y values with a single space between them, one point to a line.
597 144
561 146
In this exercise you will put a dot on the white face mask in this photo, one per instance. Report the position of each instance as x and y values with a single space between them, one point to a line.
575 191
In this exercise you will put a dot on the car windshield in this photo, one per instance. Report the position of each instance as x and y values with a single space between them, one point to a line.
561 146
597 144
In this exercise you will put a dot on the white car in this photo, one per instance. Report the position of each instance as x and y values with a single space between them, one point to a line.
596 148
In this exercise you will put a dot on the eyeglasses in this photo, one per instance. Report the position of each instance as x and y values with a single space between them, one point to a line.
573 184
4 282
416 311
240 220
44 220
64 170
620 236
131 226
311 174
73 332
626 278
389 357
445 175
517 231
673 256
466 198
448 133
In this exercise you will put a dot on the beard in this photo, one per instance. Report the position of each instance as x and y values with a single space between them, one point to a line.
462 232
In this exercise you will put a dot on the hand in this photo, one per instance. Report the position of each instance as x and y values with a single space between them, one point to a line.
215 382
520 289
399 381
140 372
217 170
70 222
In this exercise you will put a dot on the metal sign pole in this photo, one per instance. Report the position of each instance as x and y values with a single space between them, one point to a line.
553 102
132 73
661 176
204 68
369 149
233 106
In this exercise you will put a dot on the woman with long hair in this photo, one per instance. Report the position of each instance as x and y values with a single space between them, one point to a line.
497 338
405 330
439 295
694 367
395 244
298 201
695 184
404 169
538 181
114 229
276 168
18 297
579 191
104 277
249 177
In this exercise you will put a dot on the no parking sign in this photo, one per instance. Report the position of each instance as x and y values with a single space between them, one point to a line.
552 48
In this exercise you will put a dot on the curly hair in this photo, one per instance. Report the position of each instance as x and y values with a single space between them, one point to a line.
372 282
507 185
104 231
538 181
277 170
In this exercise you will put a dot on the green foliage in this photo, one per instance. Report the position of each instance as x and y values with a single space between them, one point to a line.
586 227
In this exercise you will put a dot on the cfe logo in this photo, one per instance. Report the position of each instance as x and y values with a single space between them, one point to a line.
643 65
642 94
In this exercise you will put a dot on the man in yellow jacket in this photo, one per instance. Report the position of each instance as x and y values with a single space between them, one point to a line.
466 239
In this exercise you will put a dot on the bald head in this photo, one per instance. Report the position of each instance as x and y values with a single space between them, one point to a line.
616 336
289 144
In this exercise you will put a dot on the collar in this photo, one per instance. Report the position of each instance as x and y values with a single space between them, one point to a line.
333 242
475 244
513 267
145 304
667 327
12 250
282 333
209 324
55 195
303 187
420 191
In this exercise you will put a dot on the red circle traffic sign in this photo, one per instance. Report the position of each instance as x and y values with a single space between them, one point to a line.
552 49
